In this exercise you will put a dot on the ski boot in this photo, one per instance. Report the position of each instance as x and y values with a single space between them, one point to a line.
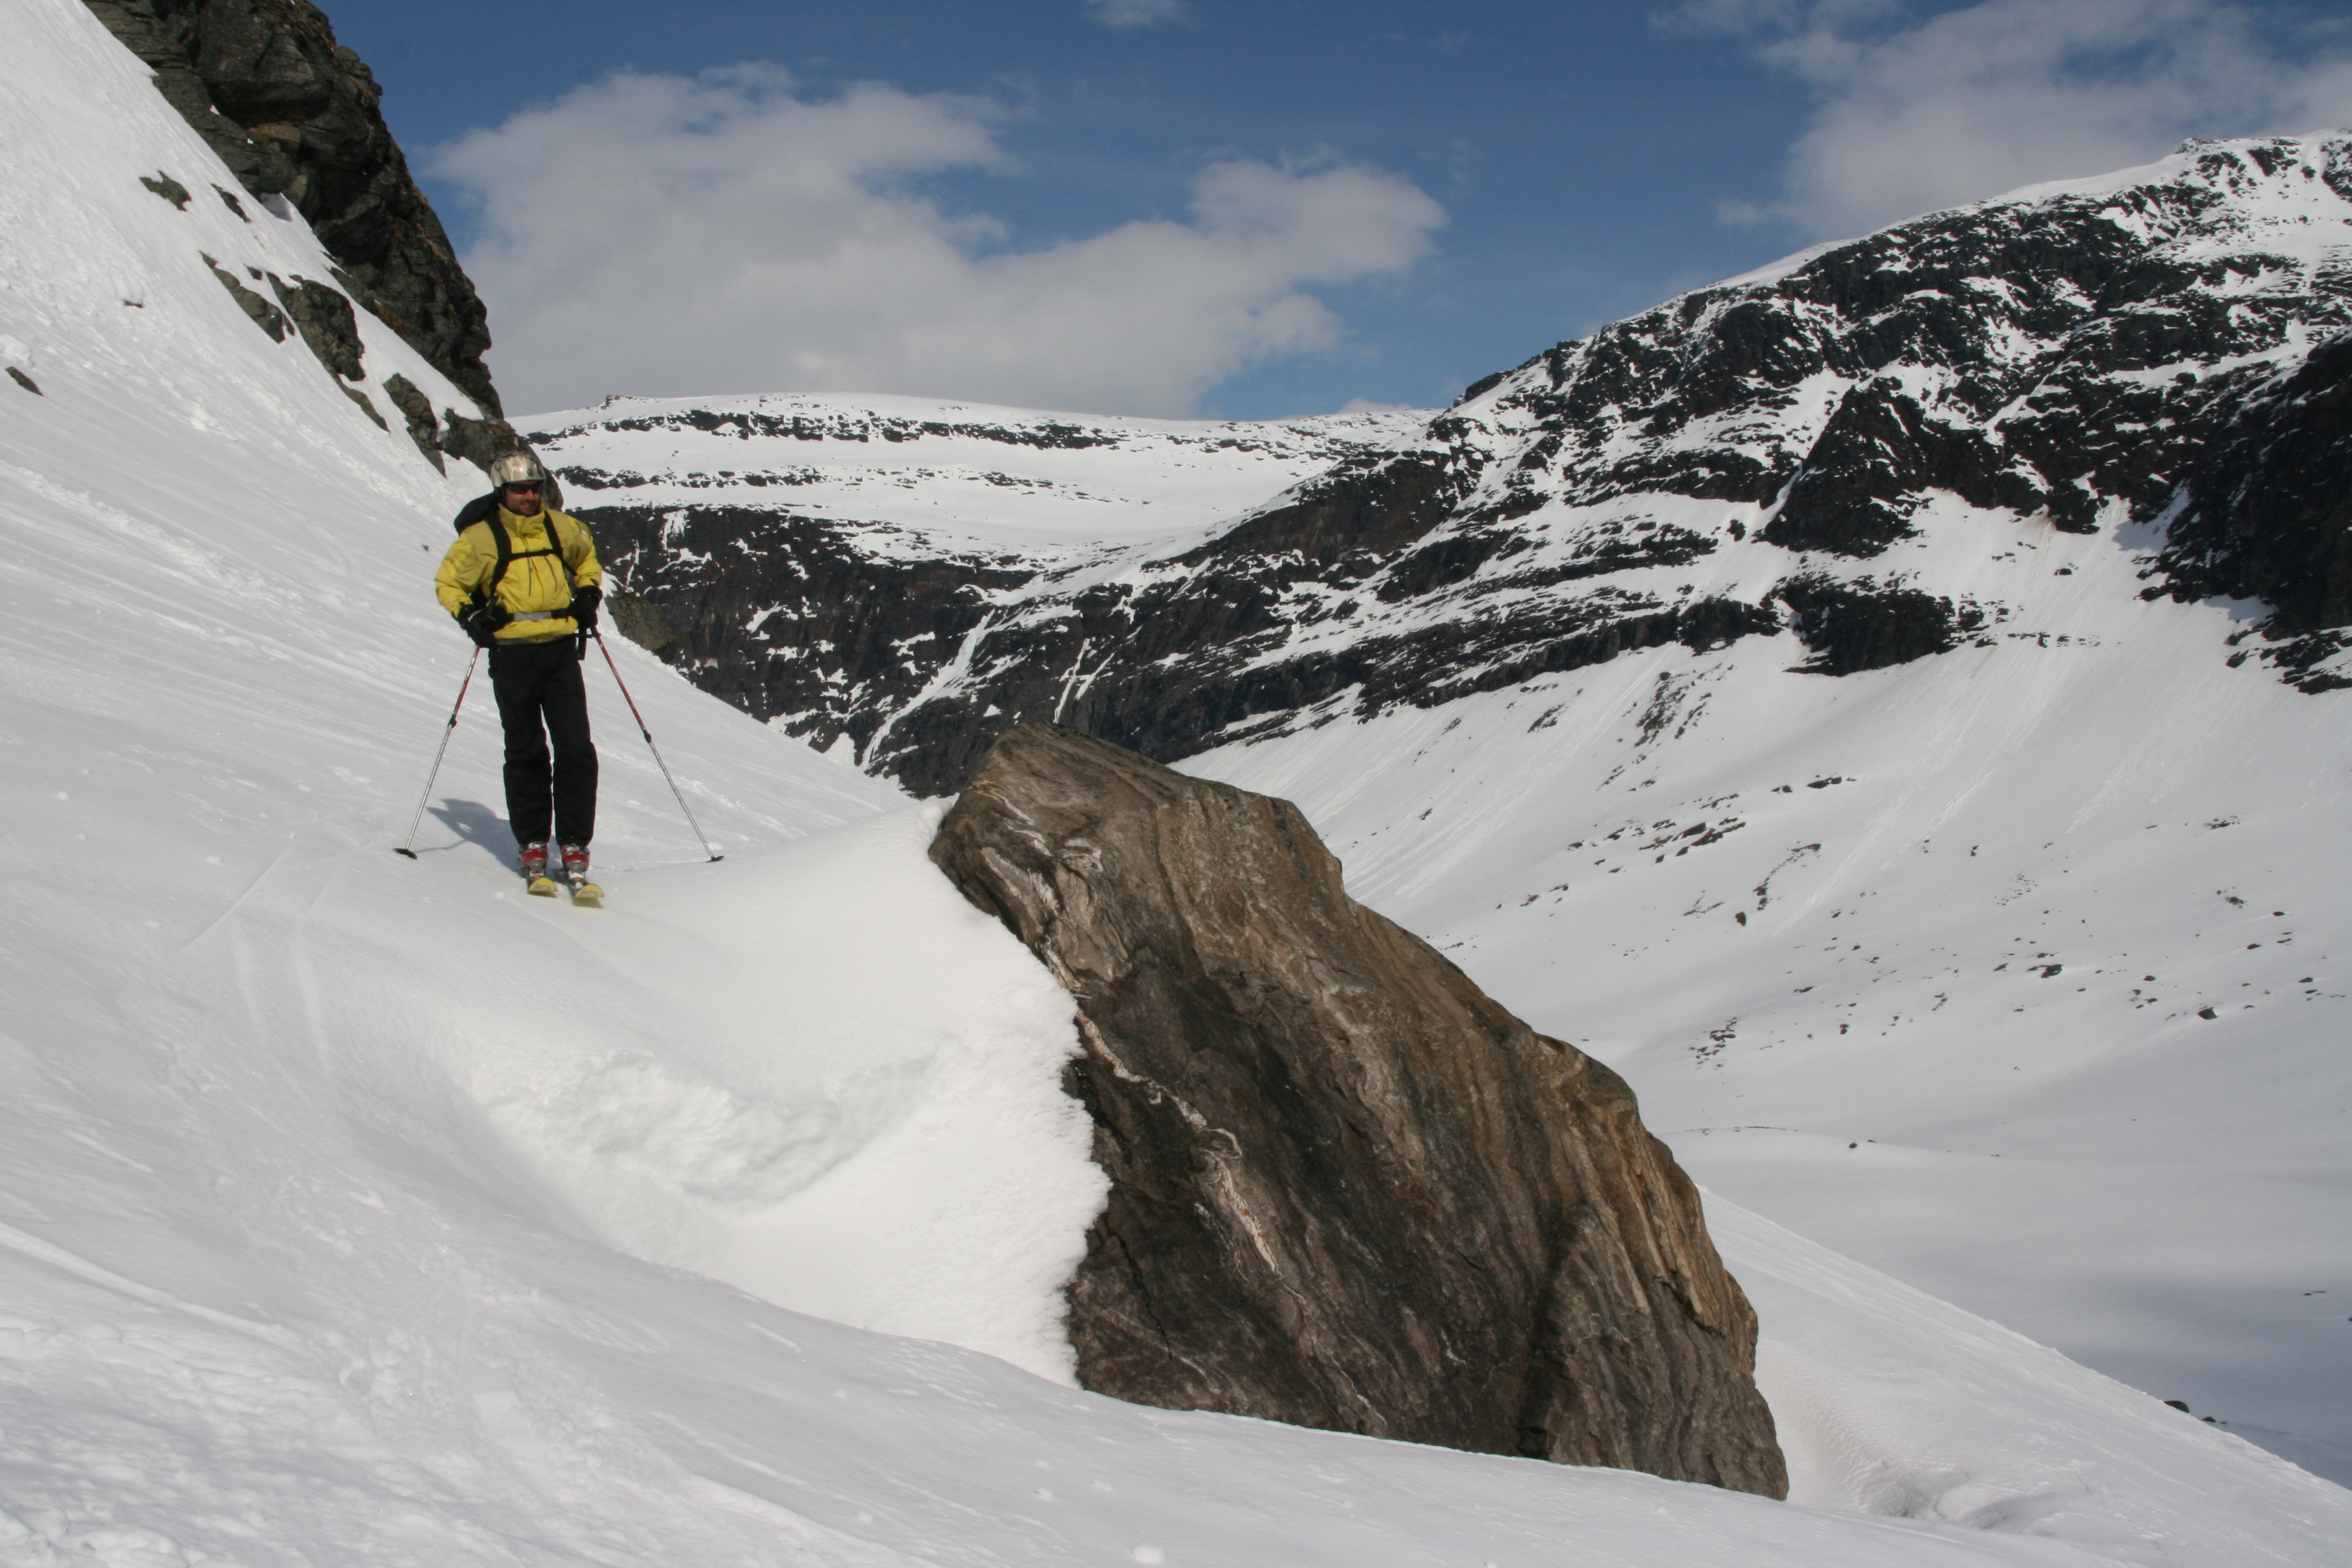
537 883
585 893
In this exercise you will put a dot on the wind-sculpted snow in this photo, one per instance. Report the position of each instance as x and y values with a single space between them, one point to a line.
1772 451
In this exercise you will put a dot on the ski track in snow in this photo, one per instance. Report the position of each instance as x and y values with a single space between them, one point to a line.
360 1210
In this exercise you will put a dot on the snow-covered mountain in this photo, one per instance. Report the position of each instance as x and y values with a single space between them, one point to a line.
1889 703
358 1210
1872 443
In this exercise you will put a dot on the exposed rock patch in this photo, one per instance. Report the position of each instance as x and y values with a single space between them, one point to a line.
478 441
169 189
749 424
329 328
1349 1191
1863 625
833 617
366 406
424 424
847 641
264 314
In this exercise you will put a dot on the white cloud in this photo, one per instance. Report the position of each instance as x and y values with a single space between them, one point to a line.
1914 115
662 235
1134 13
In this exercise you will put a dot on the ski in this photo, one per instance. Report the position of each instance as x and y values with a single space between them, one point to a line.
544 887
587 896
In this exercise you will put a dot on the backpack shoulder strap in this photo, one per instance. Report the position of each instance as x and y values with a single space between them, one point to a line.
505 542
489 592
556 521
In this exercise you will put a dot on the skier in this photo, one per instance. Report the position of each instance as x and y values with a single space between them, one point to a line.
524 582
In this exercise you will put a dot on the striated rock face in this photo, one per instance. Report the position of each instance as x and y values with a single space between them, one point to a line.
294 114
1349 1191
1820 448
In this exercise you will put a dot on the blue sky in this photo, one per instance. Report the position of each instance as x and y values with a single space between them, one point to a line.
1247 210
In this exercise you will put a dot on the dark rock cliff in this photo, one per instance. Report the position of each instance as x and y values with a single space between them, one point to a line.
1767 455
2269 516
1348 1190
294 114
788 616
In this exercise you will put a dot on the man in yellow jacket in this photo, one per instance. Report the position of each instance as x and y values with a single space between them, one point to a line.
524 582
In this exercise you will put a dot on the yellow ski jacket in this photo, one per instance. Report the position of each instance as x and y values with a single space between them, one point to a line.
535 589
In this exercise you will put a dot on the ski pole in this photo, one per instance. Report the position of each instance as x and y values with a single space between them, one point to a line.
648 735
407 848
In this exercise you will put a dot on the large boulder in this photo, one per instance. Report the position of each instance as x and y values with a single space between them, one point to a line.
1348 1190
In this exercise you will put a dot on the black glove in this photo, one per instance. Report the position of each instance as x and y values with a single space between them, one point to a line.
584 604
482 622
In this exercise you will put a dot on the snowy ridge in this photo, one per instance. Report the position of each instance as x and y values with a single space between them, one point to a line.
966 476
356 1210
1809 447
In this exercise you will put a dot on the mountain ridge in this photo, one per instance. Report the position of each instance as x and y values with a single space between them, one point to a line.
1736 461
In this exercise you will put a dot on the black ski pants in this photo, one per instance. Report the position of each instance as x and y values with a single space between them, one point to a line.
541 697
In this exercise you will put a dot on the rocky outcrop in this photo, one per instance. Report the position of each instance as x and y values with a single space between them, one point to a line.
1736 462
324 318
1348 1190
1860 624
480 441
169 189
262 313
641 623
416 411
2268 516
294 115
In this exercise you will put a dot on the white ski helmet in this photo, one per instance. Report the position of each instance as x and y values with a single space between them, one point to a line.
516 468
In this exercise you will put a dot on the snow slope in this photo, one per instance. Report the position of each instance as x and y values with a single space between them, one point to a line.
2034 861
358 1210
2019 972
